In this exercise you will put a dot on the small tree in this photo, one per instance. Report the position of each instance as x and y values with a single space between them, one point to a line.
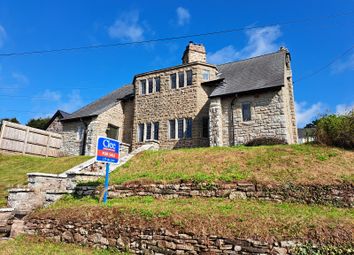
336 130
39 123
13 120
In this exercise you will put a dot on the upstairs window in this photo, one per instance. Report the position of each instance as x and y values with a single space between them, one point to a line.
246 111
151 85
143 87
189 77
189 128
172 126
206 75
157 84
148 131
156 131
141 132
205 124
112 131
173 80
181 79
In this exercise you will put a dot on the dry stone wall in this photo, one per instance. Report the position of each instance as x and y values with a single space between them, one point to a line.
148 240
337 195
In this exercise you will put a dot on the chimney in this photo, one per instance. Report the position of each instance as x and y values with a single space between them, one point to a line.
194 53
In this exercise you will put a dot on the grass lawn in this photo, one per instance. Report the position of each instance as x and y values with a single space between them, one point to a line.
298 164
13 169
29 245
228 218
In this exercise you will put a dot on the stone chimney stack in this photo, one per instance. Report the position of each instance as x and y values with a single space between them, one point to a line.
194 53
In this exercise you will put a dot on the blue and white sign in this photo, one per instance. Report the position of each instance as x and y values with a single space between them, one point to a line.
107 150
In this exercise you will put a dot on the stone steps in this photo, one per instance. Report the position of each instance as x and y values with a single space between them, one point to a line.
44 189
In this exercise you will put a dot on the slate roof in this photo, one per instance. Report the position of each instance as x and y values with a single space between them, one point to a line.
262 72
59 113
102 104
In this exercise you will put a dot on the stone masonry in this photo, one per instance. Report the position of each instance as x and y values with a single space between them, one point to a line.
216 119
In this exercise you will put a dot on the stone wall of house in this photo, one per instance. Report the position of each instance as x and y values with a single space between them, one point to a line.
128 112
187 102
148 240
56 126
215 122
98 126
120 115
341 195
268 117
72 142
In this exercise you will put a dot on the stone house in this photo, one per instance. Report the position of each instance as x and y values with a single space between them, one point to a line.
193 104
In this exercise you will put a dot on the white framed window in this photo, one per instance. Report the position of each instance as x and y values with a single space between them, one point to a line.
180 128
189 75
141 128
143 87
157 84
206 75
246 111
80 133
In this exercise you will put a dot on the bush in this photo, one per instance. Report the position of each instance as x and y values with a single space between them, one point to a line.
323 250
336 130
265 141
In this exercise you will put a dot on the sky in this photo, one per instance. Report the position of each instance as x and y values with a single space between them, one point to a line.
36 85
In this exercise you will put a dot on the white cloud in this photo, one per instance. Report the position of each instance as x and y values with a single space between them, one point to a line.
19 77
51 101
224 55
306 114
51 95
260 41
2 36
343 65
344 108
127 27
73 102
183 16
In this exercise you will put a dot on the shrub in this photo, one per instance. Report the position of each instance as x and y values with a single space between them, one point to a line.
265 141
336 130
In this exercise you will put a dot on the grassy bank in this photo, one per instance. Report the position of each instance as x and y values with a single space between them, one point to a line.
29 245
299 164
13 169
238 218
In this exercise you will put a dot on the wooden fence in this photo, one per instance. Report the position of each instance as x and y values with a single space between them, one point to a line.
27 140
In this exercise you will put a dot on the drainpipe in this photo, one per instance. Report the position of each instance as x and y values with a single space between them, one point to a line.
232 119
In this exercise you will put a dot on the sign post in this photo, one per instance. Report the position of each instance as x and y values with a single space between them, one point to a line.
107 152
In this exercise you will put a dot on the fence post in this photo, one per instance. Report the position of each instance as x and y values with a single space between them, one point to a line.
46 152
2 132
25 142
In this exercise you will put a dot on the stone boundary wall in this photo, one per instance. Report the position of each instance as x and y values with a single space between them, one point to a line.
148 240
341 195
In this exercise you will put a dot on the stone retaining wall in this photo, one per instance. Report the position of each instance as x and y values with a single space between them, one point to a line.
6 220
148 240
341 195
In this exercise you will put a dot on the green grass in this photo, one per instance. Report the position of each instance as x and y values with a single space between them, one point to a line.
13 169
299 164
29 245
230 218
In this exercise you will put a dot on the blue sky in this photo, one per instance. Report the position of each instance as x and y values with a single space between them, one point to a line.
38 85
